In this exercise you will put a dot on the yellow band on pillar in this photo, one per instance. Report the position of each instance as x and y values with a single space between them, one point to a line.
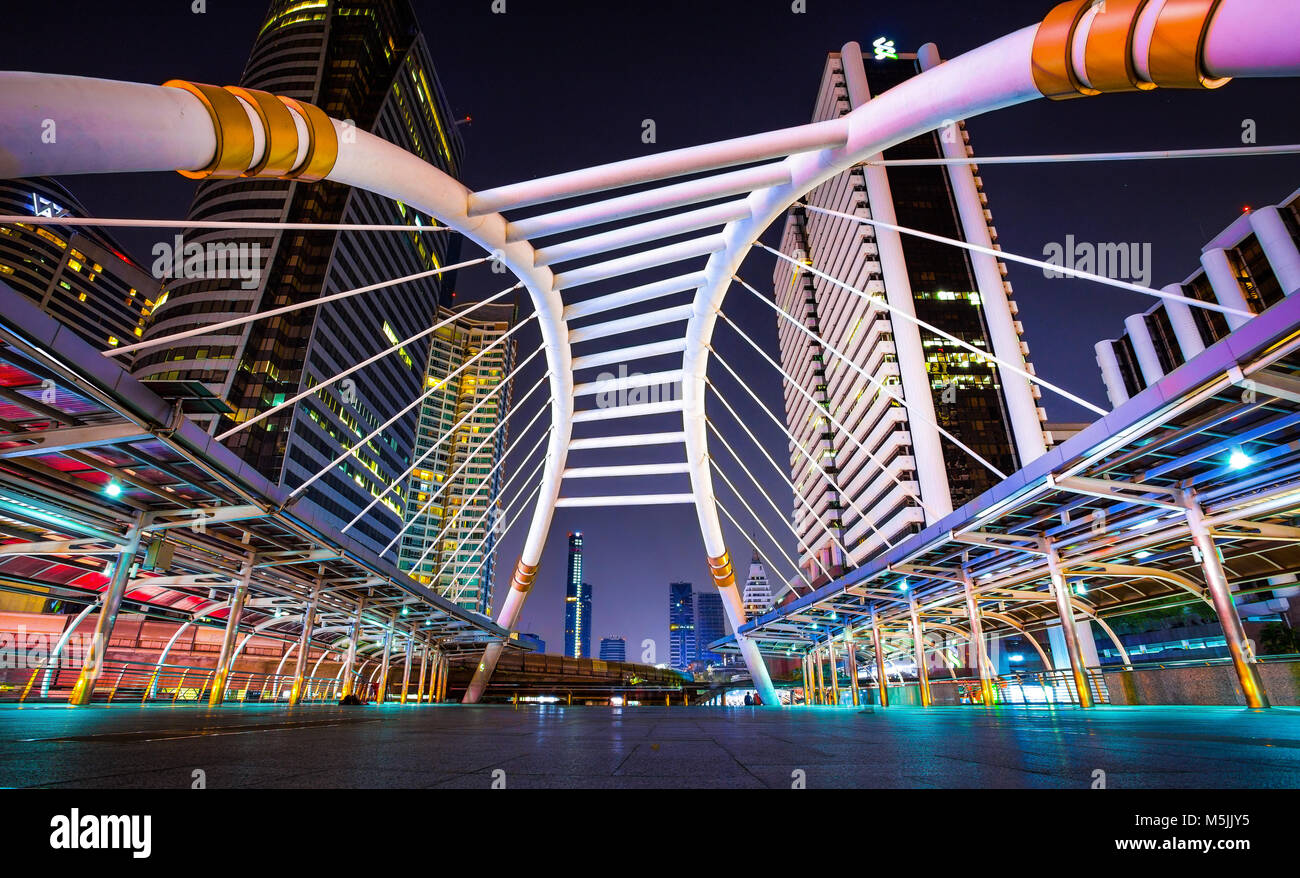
723 574
1108 55
1176 58
525 575
322 143
281 150
233 128
1053 64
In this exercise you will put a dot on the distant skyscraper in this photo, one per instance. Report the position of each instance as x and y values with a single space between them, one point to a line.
681 625
613 649
541 644
577 605
363 61
757 596
710 625
78 275
451 508
891 460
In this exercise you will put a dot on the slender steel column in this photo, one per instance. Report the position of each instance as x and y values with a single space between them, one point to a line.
918 647
1068 630
297 691
381 693
821 679
349 685
878 644
851 665
226 658
424 661
835 673
446 672
1243 658
406 665
977 646
84 691
807 679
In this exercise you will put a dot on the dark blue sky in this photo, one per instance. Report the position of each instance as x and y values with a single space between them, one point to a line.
554 86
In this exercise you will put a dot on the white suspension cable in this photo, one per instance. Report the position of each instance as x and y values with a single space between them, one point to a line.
754 545
378 429
286 309
501 536
798 570
885 390
215 224
816 465
1037 263
825 408
1216 152
911 318
469 458
475 524
826 529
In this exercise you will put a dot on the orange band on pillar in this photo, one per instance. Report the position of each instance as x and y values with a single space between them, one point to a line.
525 575
233 128
723 574
1053 65
322 143
280 152
1108 55
1176 56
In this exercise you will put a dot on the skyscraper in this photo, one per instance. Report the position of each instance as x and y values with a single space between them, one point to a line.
868 468
78 275
613 649
452 508
577 605
363 61
757 596
710 625
681 625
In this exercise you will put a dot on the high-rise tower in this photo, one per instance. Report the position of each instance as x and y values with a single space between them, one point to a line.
577 605
681 625
453 509
870 468
364 61
757 596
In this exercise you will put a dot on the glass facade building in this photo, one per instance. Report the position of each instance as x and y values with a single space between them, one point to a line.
577 604
366 62
681 625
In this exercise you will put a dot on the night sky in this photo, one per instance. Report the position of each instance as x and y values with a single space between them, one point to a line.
555 86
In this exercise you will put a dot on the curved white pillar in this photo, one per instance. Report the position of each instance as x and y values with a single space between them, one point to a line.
1224 282
1111 375
1184 324
1139 335
1276 241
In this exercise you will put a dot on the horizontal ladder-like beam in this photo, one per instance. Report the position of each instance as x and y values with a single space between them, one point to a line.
635 469
649 201
615 412
673 163
627 500
640 261
636 352
631 324
622 383
635 440
642 293
654 230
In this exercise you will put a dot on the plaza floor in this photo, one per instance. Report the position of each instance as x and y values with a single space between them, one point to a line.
454 746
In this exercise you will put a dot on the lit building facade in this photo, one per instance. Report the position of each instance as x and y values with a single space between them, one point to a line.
453 509
1251 265
577 604
613 649
366 62
681 625
710 626
871 469
78 274
757 597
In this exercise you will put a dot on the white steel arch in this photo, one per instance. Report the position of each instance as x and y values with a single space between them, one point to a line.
1081 48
